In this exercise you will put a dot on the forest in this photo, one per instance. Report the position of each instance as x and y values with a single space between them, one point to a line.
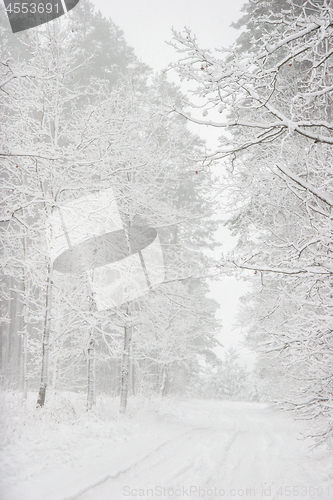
82 116
69 132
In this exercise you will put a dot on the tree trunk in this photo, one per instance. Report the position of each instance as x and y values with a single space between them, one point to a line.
125 375
46 340
132 370
24 364
91 373
16 333
163 387
5 337
24 332
91 360
125 369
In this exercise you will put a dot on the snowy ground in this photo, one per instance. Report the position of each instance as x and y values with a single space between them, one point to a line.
161 449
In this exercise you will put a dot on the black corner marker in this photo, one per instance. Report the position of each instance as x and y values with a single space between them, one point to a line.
24 15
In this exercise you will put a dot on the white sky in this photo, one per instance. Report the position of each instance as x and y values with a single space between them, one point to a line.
147 27
147 24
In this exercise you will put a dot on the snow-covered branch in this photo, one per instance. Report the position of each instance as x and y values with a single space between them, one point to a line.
325 197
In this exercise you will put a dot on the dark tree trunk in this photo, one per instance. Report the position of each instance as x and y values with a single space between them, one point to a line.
163 388
125 369
24 354
46 340
91 360
91 373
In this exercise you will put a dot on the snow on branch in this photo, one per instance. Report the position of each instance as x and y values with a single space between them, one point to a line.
278 86
281 270
325 197
270 49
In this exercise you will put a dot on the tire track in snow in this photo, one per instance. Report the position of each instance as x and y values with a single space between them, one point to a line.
133 466
175 462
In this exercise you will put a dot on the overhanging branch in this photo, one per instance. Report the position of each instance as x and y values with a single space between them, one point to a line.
322 195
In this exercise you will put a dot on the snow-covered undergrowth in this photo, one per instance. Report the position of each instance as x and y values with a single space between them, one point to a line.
20 420
33 439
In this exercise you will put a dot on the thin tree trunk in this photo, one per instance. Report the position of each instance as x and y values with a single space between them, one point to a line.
164 381
24 364
91 372
16 335
46 340
24 347
125 369
126 355
6 335
47 322
132 371
24 330
91 361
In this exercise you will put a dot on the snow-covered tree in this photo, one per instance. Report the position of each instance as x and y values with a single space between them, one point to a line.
271 94
65 140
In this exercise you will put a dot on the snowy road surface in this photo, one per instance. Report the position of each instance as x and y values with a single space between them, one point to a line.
194 449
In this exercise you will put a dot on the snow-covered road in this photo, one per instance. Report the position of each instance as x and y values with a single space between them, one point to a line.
196 449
